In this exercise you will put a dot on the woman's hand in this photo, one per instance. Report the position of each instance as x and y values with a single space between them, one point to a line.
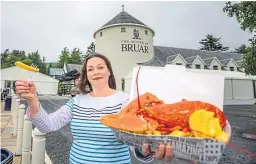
26 90
164 152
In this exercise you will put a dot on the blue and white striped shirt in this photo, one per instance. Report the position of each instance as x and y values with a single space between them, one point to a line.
92 141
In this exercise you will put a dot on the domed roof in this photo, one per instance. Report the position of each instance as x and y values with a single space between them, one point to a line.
123 18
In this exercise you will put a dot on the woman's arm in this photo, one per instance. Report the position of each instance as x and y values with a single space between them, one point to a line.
54 121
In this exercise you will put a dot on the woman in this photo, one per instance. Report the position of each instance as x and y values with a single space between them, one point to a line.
92 141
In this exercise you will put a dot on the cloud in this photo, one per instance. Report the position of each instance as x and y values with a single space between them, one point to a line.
51 26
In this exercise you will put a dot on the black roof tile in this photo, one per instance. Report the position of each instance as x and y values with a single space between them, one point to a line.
161 53
123 18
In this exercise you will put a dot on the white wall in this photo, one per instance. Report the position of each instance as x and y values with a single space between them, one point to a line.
178 59
198 62
65 68
46 88
215 63
237 90
232 64
2 84
110 44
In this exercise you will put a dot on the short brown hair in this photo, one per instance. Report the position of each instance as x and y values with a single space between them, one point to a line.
84 84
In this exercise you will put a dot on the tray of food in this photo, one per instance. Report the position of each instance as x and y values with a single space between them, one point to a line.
191 121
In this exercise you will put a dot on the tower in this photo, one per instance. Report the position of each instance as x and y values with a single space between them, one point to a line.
126 41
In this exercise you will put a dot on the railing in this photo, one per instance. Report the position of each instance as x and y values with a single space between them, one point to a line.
32 153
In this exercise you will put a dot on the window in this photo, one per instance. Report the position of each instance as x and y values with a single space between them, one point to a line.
100 33
7 84
123 29
198 66
146 32
178 63
215 67
231 68
123 84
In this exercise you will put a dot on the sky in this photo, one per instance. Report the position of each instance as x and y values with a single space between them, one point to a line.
50 26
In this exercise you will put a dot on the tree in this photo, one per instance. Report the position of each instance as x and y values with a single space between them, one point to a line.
19 54
37 61
211 43
64 57
4 58
249 59
90 50
12 60
75 57
27 61
43 59
242 49
43 66
35 57
48 68
8 58
245 13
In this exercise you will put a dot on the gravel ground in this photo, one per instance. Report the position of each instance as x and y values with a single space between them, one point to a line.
240 117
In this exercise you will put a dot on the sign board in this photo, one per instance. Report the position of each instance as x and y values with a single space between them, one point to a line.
135 44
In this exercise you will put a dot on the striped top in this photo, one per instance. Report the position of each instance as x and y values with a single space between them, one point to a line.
92 141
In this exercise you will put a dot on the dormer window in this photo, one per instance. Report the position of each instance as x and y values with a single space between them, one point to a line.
146 32
198 66
123 29
231 68
215 67
100 33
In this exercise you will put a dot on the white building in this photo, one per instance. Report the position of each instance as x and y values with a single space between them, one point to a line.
125 41
56 72
45 84
128 42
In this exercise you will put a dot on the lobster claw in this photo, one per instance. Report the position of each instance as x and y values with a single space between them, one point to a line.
125 122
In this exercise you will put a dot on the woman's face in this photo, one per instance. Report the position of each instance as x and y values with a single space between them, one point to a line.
97 72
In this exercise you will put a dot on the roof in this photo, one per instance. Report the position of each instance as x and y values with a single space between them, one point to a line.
56 71
171 58
73 73
73 70
225 62
239 63
14 73
123 18
191 59
208 61
71 67
161 53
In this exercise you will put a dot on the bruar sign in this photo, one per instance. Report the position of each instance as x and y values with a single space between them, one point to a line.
134 45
